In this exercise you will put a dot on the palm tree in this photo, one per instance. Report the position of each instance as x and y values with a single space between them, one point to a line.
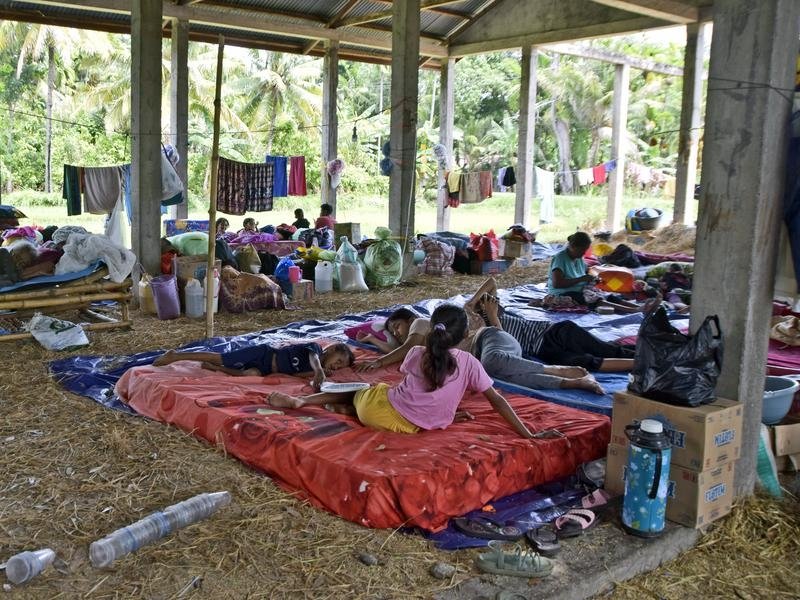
280 84
56 44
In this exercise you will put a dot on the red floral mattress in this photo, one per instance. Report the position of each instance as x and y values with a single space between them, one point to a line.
374 478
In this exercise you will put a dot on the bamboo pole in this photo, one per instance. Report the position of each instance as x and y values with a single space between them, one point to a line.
66 290
81 299
212 206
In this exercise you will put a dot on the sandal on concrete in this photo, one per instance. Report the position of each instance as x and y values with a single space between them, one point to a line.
575 522
520 563
486 529
544 540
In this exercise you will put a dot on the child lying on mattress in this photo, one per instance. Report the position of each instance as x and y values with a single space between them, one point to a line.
436 378
295 359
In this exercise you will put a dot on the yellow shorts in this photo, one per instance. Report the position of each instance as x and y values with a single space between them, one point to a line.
374 410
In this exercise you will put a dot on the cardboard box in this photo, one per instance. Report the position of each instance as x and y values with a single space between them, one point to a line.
302 290
785 439
694 499
188 267
351 230
488 267
703 437
513 248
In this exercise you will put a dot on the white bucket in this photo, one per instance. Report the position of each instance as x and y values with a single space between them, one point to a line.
323 277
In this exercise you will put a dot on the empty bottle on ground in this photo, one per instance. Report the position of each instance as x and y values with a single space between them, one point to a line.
25 566
155 526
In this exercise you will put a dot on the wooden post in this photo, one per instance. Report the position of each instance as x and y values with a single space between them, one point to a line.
686 172
446 110
330 120
619 136
527 129
212 206
179 108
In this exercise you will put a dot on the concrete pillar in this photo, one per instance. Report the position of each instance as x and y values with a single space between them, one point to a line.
527 129
146 132
403 130
179 108
330 122
619 139
446 111
753 54
686 174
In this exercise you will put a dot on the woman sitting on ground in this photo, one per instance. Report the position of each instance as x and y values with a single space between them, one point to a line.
498 351
435 379
568 277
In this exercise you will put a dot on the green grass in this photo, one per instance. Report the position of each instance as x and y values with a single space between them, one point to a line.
572 212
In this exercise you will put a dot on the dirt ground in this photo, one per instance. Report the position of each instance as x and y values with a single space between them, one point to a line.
73 471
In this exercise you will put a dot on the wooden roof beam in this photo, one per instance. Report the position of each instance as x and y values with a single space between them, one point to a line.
484 8
387 14
616 58
673 11
456 14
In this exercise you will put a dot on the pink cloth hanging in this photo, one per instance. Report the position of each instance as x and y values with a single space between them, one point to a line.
297 176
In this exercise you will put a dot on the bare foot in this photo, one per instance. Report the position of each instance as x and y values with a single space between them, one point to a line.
590 384
282 400
566 372
164 359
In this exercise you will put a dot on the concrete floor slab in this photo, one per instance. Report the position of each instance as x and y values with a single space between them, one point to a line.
586 565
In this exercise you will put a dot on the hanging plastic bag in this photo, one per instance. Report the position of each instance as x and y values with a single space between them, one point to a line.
282 268
674 367
55 334
348 269
485 245
384 260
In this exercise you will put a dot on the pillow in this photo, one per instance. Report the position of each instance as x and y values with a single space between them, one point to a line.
376 328
10 212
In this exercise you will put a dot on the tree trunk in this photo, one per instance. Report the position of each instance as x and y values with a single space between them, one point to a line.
273 117
561 131
594 149
9 183
48 131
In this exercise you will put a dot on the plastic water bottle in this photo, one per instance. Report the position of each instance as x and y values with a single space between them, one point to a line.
128 539
25 566
194 299
323 277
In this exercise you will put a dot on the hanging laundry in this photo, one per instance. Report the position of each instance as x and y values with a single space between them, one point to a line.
243 187
585 177
500 176
546 190
611 165
171 184
509 178
485 178
469 191
71 191
599 174
280 183
102 187
453 179
297 176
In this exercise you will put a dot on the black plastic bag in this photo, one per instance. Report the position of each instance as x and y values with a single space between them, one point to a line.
673 367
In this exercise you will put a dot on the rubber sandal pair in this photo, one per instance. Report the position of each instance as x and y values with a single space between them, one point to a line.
486 529
544 540
519 563
575 522
596 499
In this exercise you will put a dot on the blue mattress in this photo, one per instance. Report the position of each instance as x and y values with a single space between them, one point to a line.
48 280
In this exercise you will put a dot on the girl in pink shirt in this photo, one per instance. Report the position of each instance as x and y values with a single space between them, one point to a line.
436 378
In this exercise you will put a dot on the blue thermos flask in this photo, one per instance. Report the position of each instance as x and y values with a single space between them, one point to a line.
646 479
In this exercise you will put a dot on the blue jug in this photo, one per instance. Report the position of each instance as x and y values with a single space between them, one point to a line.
646 479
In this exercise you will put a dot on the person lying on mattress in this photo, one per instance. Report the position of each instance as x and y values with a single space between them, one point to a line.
499 353
568 277
303 360
436 377
562 343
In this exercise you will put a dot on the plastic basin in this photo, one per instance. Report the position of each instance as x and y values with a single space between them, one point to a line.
778 395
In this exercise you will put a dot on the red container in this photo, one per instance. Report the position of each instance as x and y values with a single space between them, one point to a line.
295 274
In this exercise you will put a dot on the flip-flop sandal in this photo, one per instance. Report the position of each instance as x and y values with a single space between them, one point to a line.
520 563
592 473
544 540
596 499
574 523
486 529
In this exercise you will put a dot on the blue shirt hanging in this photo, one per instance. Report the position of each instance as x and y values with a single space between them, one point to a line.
280 182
